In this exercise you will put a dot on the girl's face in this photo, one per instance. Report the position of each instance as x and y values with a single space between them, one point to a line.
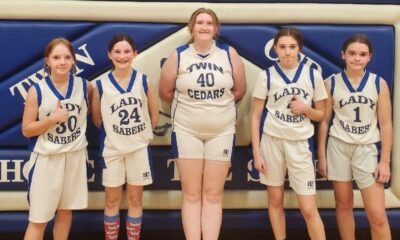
287 50
122 55
204 27
356 56
60 60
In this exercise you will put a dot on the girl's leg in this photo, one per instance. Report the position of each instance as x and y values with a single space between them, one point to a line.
191 174
35 231
308 208
344 209
374 203
275 211
111 212
135 212
214 176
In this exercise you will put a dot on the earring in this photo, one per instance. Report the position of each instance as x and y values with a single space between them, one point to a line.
73 68
47 69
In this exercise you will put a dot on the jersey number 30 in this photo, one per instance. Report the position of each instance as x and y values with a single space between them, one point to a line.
70 124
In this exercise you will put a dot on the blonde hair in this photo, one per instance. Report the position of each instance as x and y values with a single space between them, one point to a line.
192 21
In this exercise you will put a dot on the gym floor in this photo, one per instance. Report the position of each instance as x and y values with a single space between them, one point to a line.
225 235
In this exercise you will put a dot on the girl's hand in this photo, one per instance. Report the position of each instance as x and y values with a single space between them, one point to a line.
322 167
259 164
382 172
59 115
297 106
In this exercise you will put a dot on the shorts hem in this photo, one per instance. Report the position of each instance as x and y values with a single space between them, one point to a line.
365 185
113 185
40 220
338 179
273 184
308 193
140 183
74 207
190 157
217 159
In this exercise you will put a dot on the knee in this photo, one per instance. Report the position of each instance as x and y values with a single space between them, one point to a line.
192 195
275 202
112 201
343 206
378 220
134 201
213 196
310 213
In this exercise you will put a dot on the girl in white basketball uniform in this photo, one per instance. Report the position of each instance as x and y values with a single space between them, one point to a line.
204 78
358 102
286 98
54 120
125 110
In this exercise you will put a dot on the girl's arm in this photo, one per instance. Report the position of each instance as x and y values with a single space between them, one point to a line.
90 96
96 108
32 127
152 104
384 111
315 113
256 113
169 73
322 135
238 74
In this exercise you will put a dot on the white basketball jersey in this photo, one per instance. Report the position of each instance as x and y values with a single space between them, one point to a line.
126 124
355 117
68 136
277 87
203 104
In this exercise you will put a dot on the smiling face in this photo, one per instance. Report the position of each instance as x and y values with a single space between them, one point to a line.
204 27
122 55
356 56
287 48
60 60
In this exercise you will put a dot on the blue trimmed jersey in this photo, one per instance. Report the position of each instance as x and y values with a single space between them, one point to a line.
277 86
203 104
126 125
70 135
355 109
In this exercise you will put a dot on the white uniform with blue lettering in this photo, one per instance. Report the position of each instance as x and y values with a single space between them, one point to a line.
203 105
58 163
280 121
354 131
355 120
285 141
125 131
69 136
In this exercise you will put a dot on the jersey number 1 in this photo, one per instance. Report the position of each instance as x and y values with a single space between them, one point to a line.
357 110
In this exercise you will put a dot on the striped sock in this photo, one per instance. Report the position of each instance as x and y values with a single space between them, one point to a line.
133 226
111 227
